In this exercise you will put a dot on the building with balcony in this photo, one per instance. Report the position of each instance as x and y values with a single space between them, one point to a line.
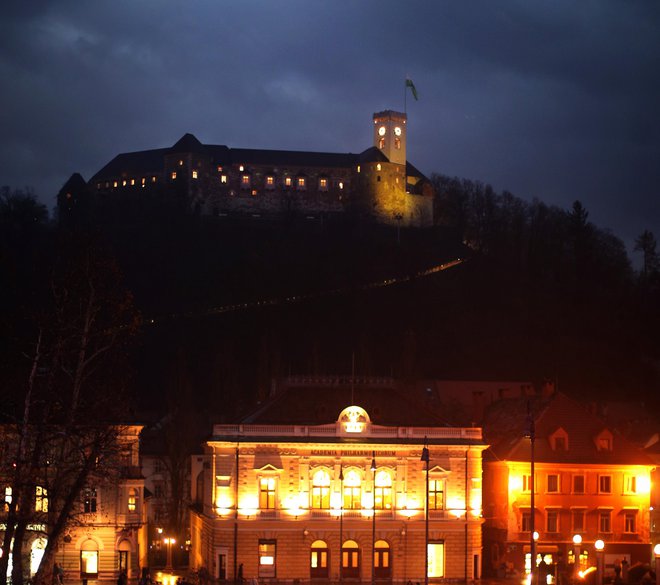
105 533
589 483
307 490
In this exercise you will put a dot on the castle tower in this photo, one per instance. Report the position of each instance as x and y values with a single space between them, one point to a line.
390 135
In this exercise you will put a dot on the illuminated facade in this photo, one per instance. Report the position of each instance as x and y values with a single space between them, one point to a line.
589 484
107 533
296 502
377 184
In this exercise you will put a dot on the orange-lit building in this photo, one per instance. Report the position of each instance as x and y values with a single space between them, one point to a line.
294 501
107 531
589 483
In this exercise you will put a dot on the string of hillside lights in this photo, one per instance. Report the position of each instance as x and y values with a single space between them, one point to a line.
310 296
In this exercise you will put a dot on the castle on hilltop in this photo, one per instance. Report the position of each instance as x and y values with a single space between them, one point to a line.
378 184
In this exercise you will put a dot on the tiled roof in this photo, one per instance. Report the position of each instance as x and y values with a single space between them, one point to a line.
316 404
506 428
151 161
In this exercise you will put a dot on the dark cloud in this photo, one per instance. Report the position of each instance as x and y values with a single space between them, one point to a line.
555 100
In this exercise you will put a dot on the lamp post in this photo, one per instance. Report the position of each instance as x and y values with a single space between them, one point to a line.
577 540
599 545
341 520
168 543
532 541
656 552
373 521
426 458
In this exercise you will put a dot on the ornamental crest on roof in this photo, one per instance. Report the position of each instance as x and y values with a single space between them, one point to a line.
353 420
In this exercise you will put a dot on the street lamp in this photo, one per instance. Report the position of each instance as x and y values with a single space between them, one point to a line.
426 458
599 545
577 540
168 543
341 520
656 552
373 521
532 542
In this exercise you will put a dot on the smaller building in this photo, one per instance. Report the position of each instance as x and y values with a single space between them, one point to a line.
589 483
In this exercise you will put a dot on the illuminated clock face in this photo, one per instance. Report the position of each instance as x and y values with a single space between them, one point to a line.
397 131
381 131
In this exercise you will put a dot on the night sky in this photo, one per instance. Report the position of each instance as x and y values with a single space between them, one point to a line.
556 100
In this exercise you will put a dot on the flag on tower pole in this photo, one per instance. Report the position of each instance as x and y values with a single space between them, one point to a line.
411 85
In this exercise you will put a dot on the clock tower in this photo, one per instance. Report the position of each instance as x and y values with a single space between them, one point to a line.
390 135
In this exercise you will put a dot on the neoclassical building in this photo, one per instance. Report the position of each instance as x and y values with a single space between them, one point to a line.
378 184
342 500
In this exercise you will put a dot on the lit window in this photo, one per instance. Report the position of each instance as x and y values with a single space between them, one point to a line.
194 174
381 145
132 500
578 520
605 521
552 521
323 184
123 183
254 192
321 489
107 184
358 168
144 181
578 484
301 182
397 143
341 185
219 169
319 560
436 494
553 483
115 184
8 497
288 181
352 490
153 179
383 491
630 522
267 558
41 499
267 493
270 180
173 174
98 185
605 484
89 500
378 167
436 556
180 163
223 179
132 182
241 168
245 181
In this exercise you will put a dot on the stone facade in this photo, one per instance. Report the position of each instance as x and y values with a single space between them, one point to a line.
287 502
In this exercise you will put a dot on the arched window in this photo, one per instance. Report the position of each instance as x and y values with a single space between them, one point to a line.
318 565
352 490
321 489
350 560
383 490
89 560
382 567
